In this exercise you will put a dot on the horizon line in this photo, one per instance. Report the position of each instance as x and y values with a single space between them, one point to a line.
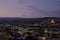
30 17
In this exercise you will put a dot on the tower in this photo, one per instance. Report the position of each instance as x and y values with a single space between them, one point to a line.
52 21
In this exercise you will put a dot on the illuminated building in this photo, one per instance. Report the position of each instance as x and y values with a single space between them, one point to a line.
52 21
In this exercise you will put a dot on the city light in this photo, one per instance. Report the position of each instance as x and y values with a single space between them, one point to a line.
44 38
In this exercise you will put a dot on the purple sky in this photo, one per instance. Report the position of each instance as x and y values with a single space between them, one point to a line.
29 8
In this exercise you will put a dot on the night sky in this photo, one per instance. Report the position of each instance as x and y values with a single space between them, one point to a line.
29 8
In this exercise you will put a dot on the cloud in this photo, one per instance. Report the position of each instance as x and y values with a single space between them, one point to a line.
35 8
41 12
45 12
20 1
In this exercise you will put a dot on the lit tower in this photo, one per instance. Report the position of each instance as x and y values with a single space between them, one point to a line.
52 21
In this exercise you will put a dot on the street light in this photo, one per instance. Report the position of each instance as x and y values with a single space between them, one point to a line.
44 38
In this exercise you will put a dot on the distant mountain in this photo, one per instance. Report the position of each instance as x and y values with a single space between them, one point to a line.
12 20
